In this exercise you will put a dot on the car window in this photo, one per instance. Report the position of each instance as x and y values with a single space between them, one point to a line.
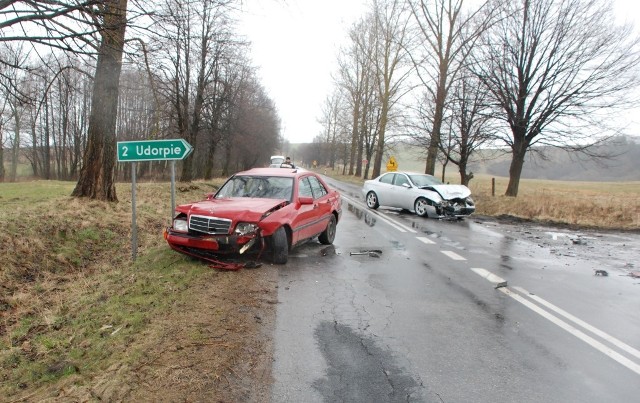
304 188
268 187
317 188
388 178
400 180
425 180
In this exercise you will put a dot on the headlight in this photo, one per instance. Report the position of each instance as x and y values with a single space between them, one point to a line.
180 225
244 228
470 201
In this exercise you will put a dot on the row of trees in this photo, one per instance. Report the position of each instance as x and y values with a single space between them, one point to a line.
78 75
71 92
451 79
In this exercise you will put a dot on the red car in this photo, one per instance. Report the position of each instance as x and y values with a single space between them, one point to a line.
263 210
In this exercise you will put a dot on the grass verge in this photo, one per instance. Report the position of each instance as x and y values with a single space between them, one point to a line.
71 298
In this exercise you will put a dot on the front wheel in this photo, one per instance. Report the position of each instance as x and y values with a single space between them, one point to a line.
279 246
329 234
372 200
420 207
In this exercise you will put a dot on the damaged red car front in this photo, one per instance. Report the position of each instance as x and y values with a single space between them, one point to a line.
264 211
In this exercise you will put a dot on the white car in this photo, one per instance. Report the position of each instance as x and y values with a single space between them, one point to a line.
422 194
276 161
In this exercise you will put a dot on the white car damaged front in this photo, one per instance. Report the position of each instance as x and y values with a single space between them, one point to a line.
450 200
422 194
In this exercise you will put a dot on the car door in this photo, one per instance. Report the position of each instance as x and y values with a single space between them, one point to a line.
312 218
402 195
322 206
384 189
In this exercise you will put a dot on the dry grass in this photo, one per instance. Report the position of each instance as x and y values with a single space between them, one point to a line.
606 205
71 298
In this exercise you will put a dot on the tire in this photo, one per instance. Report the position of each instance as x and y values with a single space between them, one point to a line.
329 234
372 200
420 207
279 246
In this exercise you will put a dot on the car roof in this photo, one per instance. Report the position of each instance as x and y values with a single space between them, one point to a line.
285 172
406 173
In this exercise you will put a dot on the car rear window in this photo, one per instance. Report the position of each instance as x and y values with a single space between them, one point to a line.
387 178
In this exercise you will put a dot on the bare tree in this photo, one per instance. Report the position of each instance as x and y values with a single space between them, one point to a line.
256 123
333 126
446 35
66 25
552 67
193 37
355 69
390 55
469 124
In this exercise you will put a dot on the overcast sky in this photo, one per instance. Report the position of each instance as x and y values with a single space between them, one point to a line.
295 45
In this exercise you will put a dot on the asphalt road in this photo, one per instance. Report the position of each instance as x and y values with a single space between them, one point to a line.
403 308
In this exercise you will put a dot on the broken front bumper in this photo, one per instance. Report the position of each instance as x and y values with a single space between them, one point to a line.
210 245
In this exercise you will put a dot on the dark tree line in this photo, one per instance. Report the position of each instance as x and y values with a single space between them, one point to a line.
77 76
185 74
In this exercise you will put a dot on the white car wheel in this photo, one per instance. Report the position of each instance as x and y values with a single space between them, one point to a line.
420 207
372 200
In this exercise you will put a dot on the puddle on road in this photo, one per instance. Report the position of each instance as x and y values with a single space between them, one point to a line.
369 219
398 246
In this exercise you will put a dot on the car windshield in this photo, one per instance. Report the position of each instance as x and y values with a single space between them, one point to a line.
277 159
424 180
267 187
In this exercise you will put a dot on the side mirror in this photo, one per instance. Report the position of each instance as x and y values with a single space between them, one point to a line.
305 200
406 185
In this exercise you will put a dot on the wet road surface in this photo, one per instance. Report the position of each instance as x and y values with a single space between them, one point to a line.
402 308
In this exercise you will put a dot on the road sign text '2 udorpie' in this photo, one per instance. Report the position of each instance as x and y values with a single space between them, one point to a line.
150 150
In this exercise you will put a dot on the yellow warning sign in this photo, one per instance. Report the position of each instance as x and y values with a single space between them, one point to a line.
392 165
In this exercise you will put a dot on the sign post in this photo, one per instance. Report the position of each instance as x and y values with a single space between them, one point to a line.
150 150
134 226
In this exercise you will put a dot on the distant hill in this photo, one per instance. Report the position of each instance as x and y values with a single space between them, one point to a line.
555 165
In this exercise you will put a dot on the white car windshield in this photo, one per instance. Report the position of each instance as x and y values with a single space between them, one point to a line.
267 187
424 180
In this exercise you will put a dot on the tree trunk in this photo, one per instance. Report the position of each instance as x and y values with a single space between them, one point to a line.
383 125
515 169
208 167
1 155
15 148
354 137
97 175
434 142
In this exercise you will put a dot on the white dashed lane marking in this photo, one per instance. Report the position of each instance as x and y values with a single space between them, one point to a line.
453 255
425 240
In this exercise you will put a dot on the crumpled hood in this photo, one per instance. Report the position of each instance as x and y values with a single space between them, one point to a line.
449 192
235 208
